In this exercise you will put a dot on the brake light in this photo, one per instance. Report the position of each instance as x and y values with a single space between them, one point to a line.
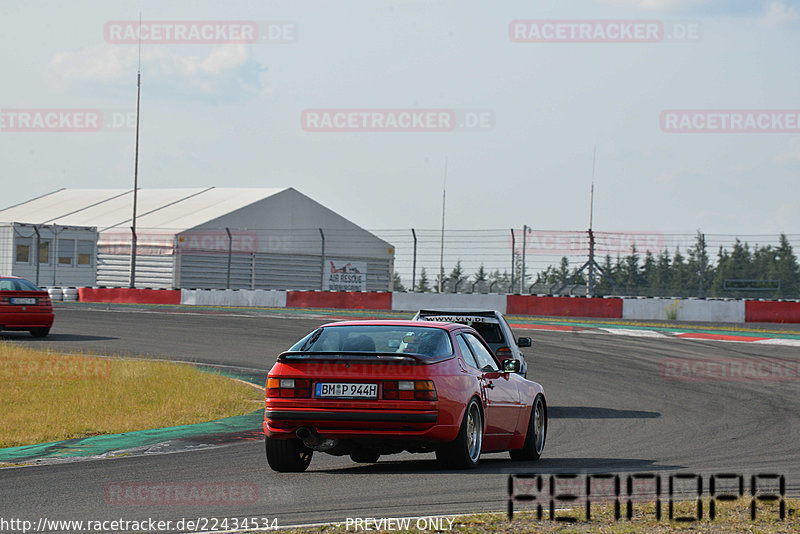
409 390
298 388
3 300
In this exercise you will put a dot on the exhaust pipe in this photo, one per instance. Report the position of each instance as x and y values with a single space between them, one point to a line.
313 440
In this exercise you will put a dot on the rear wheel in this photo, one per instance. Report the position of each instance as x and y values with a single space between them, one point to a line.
288 455
465 451
365 457
537 432
40 332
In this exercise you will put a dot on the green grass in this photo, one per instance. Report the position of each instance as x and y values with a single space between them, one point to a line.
50 396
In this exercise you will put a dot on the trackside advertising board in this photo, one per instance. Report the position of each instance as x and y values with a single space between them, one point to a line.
343 275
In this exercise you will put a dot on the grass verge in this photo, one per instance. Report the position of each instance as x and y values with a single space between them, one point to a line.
50 396
731 517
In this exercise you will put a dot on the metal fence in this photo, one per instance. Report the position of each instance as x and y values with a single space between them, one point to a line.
513 260
520 260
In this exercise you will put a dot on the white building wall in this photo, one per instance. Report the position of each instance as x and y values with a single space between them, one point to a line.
67 254
6 250
154 271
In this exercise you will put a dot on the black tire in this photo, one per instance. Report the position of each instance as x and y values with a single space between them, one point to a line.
288 455
536 435
40 332
364 457
465 451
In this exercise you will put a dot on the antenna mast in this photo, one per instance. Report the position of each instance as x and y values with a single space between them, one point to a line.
441 244
590 283
136 159
591 264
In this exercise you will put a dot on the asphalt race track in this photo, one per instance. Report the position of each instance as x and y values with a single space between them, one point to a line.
610 411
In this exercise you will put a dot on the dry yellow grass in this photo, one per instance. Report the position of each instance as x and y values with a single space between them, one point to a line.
51 396
733 518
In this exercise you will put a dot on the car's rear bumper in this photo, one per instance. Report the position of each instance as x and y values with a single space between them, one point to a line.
358 423
380 417
27 319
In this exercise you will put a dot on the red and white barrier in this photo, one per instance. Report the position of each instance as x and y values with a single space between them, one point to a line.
129 296
339 299
565 306
720 311
761 311
448 301
728 311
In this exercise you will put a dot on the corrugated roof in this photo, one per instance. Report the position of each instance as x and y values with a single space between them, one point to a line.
157 209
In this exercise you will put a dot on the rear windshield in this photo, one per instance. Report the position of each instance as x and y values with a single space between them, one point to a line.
17 284
421 340
489 331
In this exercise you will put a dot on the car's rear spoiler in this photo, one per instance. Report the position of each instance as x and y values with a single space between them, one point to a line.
365 357
463 317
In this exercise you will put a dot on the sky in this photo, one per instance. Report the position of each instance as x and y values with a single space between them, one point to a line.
320 101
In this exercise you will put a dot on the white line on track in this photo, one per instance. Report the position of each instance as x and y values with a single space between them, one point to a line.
780 341
634 332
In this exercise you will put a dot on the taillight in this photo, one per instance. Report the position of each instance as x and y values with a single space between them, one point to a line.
409 390
503 352
297 388
3 300
45 301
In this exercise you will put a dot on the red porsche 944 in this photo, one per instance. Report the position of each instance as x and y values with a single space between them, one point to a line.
370 388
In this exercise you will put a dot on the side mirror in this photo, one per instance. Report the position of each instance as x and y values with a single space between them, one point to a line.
524 342
512 366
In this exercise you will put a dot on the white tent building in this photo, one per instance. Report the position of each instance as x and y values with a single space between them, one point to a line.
214 238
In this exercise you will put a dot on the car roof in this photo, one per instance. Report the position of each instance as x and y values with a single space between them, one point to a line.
396 322
11 278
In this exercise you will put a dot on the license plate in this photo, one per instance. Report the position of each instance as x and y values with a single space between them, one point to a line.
23 300
347 391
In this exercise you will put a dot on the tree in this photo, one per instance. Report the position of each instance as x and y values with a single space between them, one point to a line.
499 282
603 285
741 261
679 274
699 271
562 275
786 269
661 278
518 273
721 273
456 278
397 283
479 278
423 284
647 274
631 275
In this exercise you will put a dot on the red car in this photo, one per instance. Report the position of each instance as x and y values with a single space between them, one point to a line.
24 306
369 388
